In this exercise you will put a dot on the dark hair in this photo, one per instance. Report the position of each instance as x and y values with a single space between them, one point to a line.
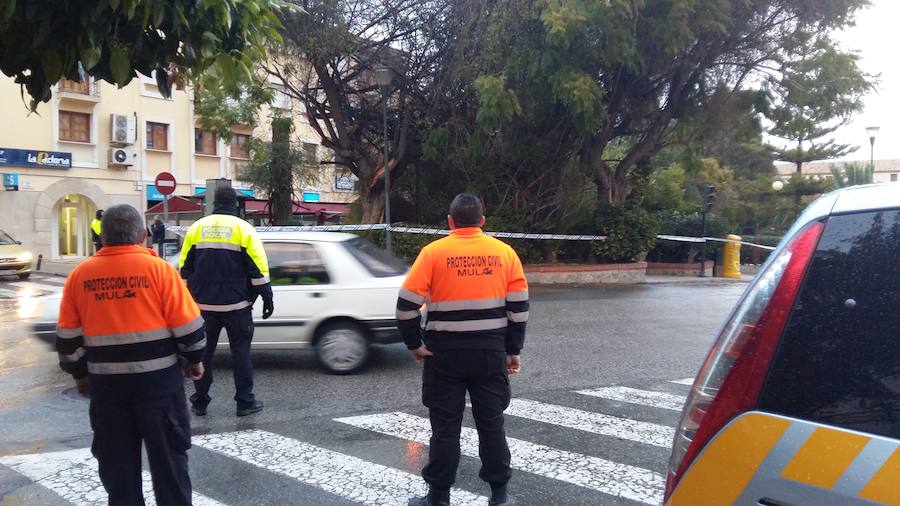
122 225
98 214
466 210
225 195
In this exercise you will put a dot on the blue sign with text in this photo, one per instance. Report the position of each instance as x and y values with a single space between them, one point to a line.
200 191
11 182
153 193
35 158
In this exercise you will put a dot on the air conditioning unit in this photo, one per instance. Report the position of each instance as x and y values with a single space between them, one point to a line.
121 157
122 129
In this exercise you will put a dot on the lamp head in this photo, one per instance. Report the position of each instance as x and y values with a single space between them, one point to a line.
872 131
383 76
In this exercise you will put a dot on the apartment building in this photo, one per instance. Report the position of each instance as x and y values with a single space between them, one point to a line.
94 145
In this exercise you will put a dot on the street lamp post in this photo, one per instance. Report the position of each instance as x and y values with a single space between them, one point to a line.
384 76
873 132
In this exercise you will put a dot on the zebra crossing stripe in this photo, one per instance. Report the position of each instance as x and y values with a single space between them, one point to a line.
612 478
685 381
660 400
72 474
343 475
596 423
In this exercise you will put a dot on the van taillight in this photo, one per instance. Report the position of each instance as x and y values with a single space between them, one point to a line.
730 380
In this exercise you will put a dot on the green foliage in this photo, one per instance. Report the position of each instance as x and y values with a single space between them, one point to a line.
405 246
276 168
113 40
219 112
852 174
688 224
497 103
817 93
630 231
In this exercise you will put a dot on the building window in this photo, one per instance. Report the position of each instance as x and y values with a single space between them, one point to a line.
157 136
204 142
282 99
74 126
310 153
893 178
240 147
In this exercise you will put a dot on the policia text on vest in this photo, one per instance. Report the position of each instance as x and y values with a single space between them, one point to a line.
226 269
476 296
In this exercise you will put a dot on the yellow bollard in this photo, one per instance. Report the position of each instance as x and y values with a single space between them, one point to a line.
731 258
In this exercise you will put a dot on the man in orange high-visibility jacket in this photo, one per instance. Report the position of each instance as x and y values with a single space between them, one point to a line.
125 318
477 300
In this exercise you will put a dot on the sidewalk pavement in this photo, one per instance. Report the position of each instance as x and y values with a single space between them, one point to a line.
695 280
56 267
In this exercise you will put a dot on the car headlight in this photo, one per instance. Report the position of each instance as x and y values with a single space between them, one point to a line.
25 256
29 307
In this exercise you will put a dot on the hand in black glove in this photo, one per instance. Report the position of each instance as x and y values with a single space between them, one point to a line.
268 308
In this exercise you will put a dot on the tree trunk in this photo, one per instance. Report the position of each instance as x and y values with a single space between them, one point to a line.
280 202
610 190
372 206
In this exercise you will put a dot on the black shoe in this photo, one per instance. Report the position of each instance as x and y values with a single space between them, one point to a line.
426 501
198 409
249 409
510 501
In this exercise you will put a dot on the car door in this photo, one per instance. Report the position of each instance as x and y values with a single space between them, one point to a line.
300 284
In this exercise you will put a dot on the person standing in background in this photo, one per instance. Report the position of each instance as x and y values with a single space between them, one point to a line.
96 230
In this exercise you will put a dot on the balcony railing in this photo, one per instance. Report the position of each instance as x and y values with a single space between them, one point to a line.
85 87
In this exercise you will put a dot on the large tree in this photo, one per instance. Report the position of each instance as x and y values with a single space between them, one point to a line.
813 96
42 41
327 63
636 71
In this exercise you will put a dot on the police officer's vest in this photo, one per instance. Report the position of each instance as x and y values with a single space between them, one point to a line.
224 263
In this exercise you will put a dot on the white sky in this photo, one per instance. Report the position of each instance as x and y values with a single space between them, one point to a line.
874 37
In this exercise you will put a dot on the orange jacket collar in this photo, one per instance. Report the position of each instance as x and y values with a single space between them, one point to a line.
120 250
466 232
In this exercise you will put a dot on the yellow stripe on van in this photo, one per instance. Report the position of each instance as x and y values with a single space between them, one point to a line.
727 464
884 487
824 457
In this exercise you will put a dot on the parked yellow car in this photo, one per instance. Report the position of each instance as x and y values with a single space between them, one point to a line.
14 259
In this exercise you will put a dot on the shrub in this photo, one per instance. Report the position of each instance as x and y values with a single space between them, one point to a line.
686 224
630 232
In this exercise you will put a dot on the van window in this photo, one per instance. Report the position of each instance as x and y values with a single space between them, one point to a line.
838 362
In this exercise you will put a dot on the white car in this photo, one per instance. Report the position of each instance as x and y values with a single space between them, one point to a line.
333 292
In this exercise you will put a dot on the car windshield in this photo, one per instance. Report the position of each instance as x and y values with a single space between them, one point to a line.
6 239
377 261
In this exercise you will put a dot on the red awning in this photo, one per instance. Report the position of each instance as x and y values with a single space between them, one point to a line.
305 208
177 205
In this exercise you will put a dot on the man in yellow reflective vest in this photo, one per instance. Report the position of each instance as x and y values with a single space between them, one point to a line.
226 269
97 229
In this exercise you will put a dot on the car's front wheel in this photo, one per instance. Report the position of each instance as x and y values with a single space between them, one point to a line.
24 275
342 347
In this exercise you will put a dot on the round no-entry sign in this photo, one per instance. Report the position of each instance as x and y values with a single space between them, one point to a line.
165 183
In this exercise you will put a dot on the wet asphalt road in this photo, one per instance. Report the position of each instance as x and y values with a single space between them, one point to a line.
640 337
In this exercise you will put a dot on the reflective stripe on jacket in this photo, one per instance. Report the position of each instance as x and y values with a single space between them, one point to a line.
224 263
476 295
125 317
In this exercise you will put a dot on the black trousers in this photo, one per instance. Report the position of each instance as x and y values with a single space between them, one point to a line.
239 326
446 378
163 425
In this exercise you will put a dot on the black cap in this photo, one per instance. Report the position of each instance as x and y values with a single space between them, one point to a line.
225 195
